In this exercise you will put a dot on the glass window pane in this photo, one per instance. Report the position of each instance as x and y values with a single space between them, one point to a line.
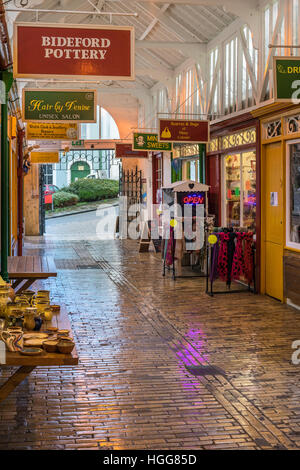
193 170
233 190
249 190
295 194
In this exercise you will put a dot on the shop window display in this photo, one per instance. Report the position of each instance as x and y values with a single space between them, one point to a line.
240 190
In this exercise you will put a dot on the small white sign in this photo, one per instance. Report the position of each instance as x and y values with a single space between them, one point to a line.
274 199
2 352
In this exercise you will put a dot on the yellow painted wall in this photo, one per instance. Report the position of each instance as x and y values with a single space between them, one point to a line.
31 201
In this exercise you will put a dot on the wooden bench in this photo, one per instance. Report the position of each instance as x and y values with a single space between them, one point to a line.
28 269
26 364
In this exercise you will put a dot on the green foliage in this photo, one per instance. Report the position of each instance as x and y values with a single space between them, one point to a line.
93 189
64 199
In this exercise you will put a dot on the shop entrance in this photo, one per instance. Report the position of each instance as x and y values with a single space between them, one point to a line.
273 204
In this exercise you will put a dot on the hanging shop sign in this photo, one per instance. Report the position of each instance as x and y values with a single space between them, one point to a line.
44 157
59 105
183 130
286 78
125 151
143 141
51 50
51 131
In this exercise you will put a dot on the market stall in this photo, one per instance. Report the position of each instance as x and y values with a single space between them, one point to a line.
32 333
184 234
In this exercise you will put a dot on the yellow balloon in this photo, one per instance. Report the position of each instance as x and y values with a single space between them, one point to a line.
173 223
212 239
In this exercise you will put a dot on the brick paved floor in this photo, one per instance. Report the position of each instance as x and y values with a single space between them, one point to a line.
137 334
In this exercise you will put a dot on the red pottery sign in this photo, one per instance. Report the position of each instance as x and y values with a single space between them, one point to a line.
125 151
104 52
183 130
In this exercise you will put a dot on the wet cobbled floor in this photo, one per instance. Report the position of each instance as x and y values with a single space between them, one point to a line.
143 341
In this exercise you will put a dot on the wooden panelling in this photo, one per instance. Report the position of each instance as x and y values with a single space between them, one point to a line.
213 178
292 277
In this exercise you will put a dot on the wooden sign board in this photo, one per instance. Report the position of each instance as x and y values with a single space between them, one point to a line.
73 51
59 105
51 131
146 141
183 130
44 157
125 151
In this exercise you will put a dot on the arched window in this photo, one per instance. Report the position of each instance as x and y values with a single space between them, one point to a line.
104 128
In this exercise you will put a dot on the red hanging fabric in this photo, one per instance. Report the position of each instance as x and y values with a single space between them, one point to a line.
170 248
223 257
248 257
238 265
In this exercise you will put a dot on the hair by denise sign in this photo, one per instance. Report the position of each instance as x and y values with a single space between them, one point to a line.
287 79
183 130
59 105
102 52
51 131
143 141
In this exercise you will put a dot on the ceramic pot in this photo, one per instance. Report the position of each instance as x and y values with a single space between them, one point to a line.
4 299
29 318
48 314
13 338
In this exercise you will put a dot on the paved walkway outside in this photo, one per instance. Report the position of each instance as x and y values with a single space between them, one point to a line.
137 335
82 208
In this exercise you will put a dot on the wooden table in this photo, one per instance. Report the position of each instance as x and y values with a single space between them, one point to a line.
28 269
26 364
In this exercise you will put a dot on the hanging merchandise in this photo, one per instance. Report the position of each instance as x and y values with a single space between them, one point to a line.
231 258
249 268
238 267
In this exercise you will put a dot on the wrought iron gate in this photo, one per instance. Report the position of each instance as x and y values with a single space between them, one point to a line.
131 185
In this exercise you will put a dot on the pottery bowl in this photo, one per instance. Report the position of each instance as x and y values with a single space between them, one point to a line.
50 346
65 347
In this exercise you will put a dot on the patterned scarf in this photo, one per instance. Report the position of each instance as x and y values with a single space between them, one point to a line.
248 257
223 257
238 266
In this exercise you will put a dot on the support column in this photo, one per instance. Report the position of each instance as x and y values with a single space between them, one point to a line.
7 78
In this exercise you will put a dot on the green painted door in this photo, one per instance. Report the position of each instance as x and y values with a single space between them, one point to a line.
79 170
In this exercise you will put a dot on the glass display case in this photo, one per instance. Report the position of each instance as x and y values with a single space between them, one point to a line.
239 196
233 190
